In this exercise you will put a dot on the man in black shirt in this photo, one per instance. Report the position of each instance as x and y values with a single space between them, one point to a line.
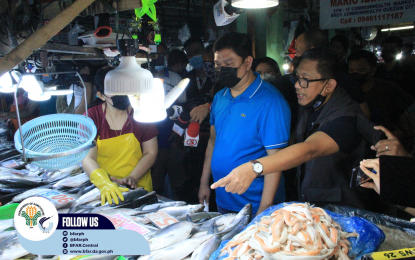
306 41
328 144
387 101
393 69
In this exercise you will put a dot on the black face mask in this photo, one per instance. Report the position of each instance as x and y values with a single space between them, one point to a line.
120 102
317 102
361 78
389 55
228 76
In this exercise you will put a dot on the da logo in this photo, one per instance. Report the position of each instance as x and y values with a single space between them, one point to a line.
36 218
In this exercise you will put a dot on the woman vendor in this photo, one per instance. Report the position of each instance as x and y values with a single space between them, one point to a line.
126 149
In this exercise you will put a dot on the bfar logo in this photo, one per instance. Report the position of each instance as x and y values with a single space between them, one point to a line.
36 218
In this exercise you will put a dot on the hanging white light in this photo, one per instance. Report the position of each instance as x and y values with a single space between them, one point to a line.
6 84
39 97
128 78
254 4
31 85
149 107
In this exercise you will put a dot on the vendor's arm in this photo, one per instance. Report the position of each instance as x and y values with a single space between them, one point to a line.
150 150
317 145
90 162
271 184
26 111
204 190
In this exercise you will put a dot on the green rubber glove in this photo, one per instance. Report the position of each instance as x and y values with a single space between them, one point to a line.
108 189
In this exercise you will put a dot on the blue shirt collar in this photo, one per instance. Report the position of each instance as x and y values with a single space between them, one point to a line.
249 92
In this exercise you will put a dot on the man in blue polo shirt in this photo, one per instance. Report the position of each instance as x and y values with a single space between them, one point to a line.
250 119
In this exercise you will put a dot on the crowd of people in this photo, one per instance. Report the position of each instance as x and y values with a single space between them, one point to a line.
265 137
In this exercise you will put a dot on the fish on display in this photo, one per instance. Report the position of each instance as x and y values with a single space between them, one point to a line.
245 211
7 189
5 224
74 181
238 229
29 193
181 249
182 211
199 216
170 235
10 248
137 198
157 206
206 249
87 197
124 211
60 174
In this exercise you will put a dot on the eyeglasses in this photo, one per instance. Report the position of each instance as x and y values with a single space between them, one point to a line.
303 82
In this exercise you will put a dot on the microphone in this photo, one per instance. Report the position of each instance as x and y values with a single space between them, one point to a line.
192 135
181 123
174 112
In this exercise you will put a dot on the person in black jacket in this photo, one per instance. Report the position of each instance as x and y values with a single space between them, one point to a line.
396 183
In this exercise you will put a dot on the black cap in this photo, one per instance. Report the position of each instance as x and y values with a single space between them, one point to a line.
127 47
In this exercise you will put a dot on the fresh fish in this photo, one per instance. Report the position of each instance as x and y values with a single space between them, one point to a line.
127 212
58 175
199 216
182 211
245 211
16 181
137 198
205 250
86 187
181 249
5 224
170 235
28 194
87 197
222 221
237 229
7 189
74 181
157 206
10 248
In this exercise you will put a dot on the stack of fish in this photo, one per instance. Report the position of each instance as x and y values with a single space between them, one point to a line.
297 231
197 231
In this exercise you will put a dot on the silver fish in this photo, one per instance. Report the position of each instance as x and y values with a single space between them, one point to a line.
245 211
125 211
181 249
5 224
205 250
196 217
170 235
155 207
73 181
10 248
87 197
183 210
29 193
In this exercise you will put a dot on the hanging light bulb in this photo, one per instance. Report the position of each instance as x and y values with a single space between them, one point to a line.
31 85
254 4
149 107
39 97
6 84
128 78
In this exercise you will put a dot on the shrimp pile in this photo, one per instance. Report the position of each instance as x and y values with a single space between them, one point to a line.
297 231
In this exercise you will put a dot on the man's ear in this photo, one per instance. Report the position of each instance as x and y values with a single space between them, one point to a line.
248 61
331 85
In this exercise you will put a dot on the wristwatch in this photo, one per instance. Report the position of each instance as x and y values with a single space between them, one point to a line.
257 167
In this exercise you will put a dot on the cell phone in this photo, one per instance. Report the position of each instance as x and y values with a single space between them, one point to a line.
359 177
367 130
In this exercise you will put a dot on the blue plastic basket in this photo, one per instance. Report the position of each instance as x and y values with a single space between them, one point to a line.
54 134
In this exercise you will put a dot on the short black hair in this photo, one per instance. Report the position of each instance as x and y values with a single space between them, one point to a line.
343 40
209 50
240 43
315 38
327 65
271 62
164 45
393 39
370 57
192 40
99 79
176 56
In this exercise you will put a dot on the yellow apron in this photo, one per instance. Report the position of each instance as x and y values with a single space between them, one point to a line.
119 155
